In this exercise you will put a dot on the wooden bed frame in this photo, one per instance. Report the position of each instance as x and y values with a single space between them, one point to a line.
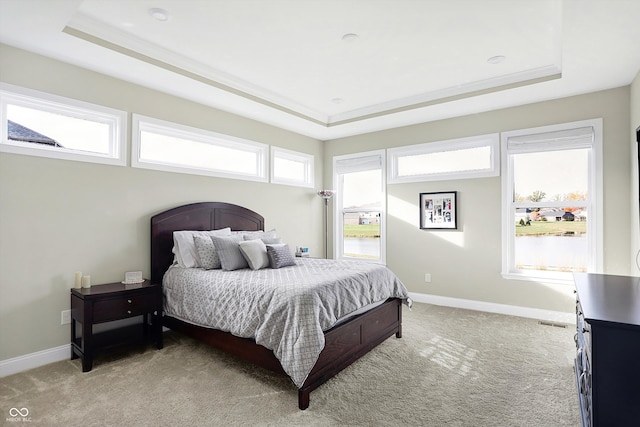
344 344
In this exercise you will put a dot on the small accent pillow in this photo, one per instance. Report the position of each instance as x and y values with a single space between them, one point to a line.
255 252
184 246
207 254
229 252
279 255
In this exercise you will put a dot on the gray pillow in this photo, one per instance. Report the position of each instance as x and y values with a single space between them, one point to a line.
279 255
207 255
249 235
255 252
229 252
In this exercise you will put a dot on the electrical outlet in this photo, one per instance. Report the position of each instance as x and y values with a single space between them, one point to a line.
65 317
427 277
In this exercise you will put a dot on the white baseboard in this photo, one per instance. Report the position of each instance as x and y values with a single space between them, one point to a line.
63 352
34 360
512 310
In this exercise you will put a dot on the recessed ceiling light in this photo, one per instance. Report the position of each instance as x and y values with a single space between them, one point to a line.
350 37
159 14
496 59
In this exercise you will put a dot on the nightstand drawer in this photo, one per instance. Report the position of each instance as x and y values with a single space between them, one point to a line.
123 307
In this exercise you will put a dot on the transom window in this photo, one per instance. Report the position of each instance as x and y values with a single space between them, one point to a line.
291 167
40 124
473 157
161 145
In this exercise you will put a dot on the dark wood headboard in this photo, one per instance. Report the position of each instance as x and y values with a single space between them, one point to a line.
195 216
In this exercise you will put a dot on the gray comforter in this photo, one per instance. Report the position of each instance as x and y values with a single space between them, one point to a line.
285 310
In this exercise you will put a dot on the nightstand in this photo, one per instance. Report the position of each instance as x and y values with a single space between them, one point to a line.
110 302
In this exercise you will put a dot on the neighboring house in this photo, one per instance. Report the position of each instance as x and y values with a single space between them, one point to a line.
523 214
351 218
552 214
369 218
17 132
361 218
580 215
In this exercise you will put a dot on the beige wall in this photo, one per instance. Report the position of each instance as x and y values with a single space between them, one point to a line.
467 263
59 216
635 214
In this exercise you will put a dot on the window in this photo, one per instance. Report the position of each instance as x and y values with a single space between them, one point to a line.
473 157
161 145
38 124
552 201
359 202
291 168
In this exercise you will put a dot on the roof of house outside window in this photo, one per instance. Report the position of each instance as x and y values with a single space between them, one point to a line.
17 132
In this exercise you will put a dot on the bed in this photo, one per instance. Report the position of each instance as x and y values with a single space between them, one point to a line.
343 343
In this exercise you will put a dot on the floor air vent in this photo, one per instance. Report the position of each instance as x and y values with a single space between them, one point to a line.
556 325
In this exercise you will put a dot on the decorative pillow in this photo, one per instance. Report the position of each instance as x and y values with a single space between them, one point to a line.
229 252
207 255
184 246
271 234
279 255
265 240
273 241
255 252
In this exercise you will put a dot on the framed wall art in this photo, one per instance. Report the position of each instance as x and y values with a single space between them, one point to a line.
438 210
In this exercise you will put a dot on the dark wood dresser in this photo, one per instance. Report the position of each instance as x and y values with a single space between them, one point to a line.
607 360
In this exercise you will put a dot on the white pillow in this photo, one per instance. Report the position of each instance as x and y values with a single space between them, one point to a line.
249 235
255 252
184 246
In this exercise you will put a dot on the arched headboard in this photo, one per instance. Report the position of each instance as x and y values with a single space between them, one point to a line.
195 216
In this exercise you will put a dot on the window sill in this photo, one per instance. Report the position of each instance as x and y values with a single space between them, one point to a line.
555 279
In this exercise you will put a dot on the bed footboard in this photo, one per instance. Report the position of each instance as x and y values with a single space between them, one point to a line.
350 341
344 344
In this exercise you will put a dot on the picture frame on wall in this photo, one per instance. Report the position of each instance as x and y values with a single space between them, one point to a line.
439 210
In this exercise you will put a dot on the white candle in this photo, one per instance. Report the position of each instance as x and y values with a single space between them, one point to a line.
77 282
86 281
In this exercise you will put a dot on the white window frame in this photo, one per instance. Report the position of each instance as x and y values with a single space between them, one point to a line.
338 246
142 123
307 160
490 140
33 99
594 206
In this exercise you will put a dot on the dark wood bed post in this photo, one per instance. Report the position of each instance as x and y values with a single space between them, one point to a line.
344 344
399 332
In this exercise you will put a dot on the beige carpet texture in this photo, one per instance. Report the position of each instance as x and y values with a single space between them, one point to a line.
452 367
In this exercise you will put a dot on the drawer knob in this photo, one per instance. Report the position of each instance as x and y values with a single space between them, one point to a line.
129 301
129 311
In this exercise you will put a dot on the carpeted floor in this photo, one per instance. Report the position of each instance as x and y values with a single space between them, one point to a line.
452 367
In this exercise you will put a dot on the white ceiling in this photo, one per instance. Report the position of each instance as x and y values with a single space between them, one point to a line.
287 62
